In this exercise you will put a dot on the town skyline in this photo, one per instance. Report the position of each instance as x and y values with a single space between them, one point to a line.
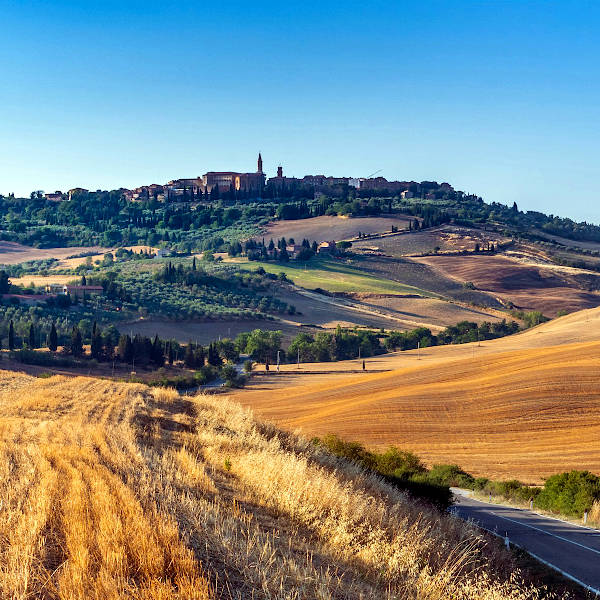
496 98
256 183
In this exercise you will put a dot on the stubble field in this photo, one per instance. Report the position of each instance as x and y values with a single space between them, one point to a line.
528 286
333 228
525 406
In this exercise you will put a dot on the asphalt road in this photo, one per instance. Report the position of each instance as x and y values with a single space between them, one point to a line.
573 550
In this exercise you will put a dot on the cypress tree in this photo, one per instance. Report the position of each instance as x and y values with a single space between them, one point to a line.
125 350
157 355
31 336
189 358
96 344
52 339
11 336
76 342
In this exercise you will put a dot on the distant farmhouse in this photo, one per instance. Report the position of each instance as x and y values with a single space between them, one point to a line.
75 291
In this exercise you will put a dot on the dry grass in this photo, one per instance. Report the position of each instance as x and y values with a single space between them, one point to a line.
525 406
113 490
12 253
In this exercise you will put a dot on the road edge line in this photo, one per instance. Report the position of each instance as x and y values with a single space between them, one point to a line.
589 588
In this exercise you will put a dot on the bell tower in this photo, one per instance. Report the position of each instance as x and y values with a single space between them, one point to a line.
259 163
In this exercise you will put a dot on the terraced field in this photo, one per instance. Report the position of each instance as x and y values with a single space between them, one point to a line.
525 406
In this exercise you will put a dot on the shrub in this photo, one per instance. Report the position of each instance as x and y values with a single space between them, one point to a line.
450 475
404 470
570 493
231 376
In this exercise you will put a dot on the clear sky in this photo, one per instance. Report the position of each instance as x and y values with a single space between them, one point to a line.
499 98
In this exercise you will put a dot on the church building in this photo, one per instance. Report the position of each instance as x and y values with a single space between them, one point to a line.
225 180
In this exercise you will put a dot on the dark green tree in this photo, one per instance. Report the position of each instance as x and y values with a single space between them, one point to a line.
157 355
52 339
4 282
125 349
32 343
76 345
11 336
96 344
189 358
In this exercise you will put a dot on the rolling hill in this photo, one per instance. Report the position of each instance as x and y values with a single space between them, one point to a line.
525 406
115 490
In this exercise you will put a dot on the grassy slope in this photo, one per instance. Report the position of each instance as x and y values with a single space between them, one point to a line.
332 275
112 490
525 406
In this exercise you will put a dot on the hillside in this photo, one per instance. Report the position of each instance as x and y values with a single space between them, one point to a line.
524 406
113 490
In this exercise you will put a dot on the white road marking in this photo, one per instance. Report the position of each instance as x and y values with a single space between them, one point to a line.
558 537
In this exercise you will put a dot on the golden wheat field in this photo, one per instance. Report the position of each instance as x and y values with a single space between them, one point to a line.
112 490
524 406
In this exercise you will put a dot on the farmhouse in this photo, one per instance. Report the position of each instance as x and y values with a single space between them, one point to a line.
76 291
294 250
326 248
79 291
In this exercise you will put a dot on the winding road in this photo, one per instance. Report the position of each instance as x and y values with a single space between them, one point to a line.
571 549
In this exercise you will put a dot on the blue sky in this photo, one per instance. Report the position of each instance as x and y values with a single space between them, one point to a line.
497 98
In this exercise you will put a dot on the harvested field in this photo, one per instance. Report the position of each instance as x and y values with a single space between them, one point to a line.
567 242
12 253
529 287
41 280
417 273
333 228
524 406
205 332
426 311
449 238
113 490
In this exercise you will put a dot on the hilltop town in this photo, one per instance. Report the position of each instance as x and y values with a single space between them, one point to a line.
216 184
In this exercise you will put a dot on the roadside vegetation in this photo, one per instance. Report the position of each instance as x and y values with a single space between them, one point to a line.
569 494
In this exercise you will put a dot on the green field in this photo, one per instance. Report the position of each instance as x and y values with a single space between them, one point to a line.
331 275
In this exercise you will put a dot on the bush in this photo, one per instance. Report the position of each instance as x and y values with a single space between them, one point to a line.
45 359
231 376
570 493
450 475
183 382
404 470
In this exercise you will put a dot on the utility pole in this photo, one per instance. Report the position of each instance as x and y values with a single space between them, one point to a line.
418 350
